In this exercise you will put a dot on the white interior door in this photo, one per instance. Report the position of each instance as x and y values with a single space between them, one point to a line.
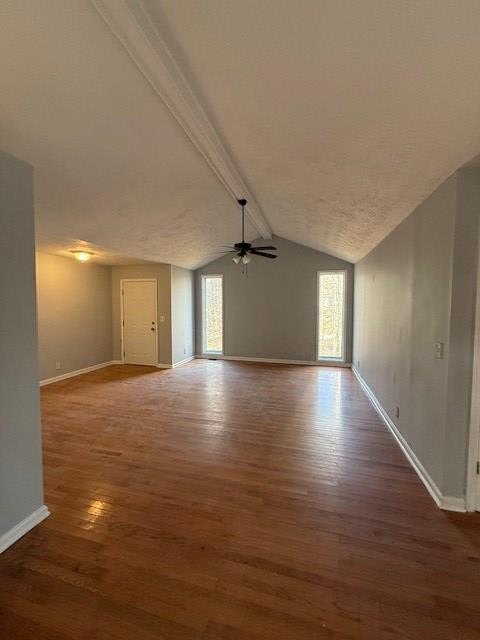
139 321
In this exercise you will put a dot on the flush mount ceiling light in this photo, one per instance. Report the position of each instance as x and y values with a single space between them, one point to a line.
245 250
83 256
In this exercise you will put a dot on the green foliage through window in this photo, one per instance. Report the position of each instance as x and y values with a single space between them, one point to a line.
212 314
331 309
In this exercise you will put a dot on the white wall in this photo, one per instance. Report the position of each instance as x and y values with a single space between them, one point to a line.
21 492
183 322
162 274
272 313
74 314
416 288
462 327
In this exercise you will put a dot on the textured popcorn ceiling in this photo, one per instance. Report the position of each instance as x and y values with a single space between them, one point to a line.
342 116
113 170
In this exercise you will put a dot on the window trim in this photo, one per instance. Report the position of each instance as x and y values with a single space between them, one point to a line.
204 341
343 357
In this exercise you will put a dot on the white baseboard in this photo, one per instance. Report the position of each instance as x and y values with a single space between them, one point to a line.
450 503
23 527
444 502
312 363
184 361
159 365
78 372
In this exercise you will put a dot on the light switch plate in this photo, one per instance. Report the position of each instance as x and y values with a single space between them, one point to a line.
439 350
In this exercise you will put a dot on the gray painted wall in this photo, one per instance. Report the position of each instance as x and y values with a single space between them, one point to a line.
74 314
272 312
415 289
20 435
162 273
183 324
462 327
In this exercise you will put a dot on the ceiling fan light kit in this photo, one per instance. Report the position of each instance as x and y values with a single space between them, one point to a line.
82 255
245 250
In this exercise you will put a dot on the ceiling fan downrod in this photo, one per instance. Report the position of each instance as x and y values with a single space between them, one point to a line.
245 250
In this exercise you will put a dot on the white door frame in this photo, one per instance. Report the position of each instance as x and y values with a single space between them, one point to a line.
473 479
154 280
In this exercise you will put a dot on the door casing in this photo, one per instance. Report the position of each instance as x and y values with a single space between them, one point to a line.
473 478
154 280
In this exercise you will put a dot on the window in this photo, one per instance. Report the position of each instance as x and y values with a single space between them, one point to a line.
212 301
331 315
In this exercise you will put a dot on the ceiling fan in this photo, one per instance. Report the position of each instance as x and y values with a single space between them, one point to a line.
244 250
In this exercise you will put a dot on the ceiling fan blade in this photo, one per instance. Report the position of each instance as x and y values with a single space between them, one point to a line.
260 253
262 248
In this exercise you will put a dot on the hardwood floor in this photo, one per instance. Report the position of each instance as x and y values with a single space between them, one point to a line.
231 501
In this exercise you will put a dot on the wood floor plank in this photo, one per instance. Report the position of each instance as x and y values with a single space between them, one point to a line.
233 501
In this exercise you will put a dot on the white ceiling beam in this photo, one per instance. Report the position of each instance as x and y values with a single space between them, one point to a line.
131 24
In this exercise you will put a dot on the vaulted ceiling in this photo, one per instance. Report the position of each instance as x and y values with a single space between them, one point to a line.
145 119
